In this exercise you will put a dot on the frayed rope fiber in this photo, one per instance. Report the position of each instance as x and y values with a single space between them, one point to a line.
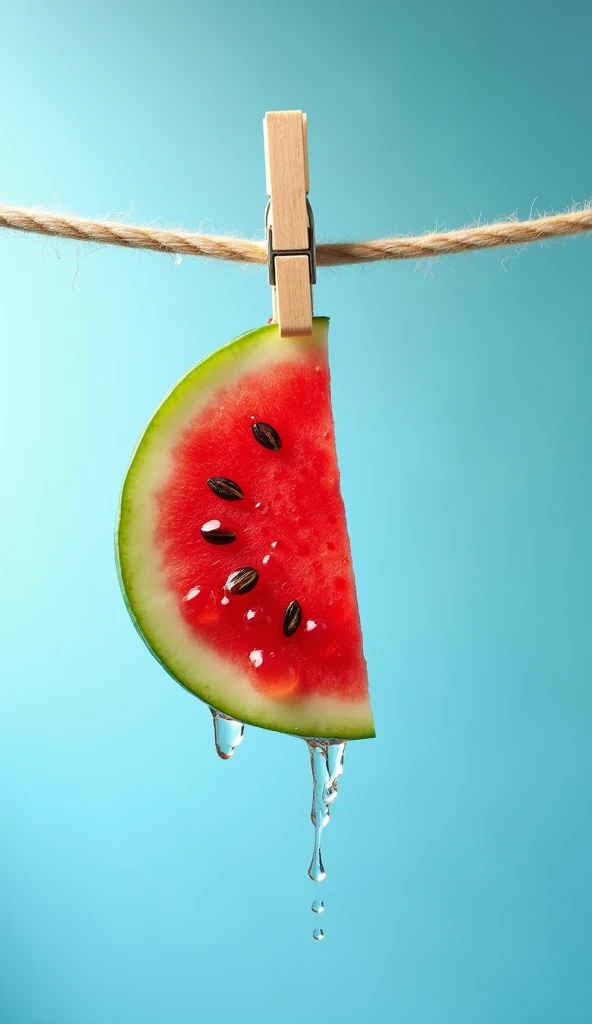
242 250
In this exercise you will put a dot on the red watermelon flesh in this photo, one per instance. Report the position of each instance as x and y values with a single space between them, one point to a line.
287 652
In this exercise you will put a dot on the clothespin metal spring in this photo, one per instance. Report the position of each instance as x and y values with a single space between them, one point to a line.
310 251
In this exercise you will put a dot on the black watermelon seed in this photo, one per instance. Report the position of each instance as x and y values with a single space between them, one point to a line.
241 581
292 618
215 533
225 488
267 436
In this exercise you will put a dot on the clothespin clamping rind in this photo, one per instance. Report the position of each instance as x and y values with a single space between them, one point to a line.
289 221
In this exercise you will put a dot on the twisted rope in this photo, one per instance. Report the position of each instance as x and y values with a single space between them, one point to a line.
242 250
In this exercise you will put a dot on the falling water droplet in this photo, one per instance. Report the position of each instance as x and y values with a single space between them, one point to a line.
318 907
316 870
319 934
227 734
177 260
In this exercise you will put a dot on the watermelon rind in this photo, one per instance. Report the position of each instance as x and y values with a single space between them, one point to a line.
152 606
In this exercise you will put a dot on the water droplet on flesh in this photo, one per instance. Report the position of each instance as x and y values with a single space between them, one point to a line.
199 605
318 907
319 934
258 622
266 559
275 674
227 734
316 625
260 506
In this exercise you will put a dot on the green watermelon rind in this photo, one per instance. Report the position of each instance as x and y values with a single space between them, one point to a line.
202 673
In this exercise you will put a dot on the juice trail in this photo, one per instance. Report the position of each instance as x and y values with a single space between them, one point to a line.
227 734
326 762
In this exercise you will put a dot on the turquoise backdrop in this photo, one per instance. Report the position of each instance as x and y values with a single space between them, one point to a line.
142 880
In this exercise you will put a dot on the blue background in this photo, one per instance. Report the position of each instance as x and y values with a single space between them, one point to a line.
143 880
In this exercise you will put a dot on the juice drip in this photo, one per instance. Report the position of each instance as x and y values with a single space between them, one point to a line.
326 762
316 870
227 734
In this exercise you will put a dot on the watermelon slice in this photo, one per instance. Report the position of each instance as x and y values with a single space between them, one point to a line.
232 545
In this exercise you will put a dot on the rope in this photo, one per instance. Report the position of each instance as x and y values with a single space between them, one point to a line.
242 250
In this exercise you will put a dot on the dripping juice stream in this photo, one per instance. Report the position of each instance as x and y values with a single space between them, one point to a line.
326 762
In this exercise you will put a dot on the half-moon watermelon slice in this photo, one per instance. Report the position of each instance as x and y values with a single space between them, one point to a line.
232 543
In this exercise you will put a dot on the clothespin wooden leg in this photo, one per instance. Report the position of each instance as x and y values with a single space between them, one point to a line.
289 221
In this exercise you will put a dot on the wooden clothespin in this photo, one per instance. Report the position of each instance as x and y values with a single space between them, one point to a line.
289 221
